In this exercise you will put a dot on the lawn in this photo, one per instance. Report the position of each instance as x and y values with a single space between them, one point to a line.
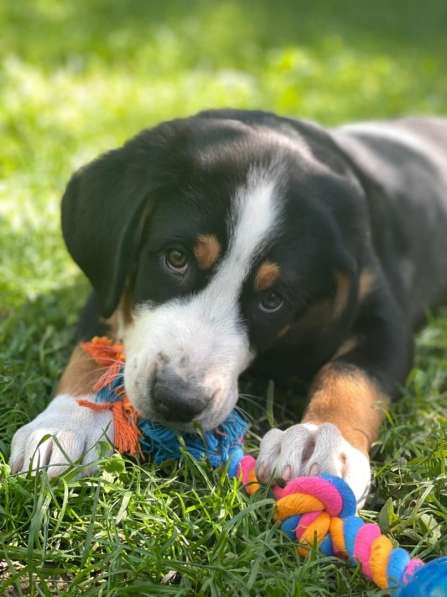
77 78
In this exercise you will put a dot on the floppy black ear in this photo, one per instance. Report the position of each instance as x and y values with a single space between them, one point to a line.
102 210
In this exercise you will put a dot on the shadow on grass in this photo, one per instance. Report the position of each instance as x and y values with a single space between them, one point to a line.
35 342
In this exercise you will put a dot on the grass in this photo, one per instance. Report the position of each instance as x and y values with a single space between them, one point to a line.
79 77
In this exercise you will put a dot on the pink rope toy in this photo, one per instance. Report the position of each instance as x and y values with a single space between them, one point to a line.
321 511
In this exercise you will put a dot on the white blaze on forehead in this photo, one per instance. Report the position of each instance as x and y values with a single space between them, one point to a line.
207 324
254 216
201 335
184 321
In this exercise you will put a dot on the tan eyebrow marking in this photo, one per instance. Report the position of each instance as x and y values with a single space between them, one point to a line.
267 274
206 250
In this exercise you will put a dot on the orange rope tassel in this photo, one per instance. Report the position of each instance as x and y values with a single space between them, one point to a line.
103 350
125 417
108 376
126 433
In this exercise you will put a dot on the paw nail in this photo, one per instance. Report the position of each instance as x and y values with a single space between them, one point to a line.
261 473
314 469
287 473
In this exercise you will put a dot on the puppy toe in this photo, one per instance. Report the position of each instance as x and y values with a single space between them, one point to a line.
296 446
269 451
282 453
334 455
309 449
18 447
59 437
37 451
325 454
67 448
90 462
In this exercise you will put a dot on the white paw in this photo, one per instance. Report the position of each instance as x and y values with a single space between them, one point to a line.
308 449
74 432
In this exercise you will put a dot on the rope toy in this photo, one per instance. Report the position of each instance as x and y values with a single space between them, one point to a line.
316 511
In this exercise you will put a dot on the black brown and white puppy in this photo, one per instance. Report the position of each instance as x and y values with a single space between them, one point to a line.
234 240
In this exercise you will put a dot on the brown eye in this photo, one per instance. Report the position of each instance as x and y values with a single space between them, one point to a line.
176 260
270 302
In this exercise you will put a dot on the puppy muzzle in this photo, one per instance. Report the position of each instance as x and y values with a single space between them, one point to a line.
175 399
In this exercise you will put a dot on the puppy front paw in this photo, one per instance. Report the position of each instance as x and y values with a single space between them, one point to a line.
73 434
308 449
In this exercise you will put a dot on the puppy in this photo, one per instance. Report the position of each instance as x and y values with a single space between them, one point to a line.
235 240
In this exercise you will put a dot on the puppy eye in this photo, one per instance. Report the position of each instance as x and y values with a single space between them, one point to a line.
176 260
270 302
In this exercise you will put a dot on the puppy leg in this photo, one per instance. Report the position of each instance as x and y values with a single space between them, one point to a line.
64 432
342 420
346 407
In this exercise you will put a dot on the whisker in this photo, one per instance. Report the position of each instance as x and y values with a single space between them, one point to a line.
245 413
251 399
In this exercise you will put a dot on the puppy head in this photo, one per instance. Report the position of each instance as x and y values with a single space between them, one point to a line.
219 232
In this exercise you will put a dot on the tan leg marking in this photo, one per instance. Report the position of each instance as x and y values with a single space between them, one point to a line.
206 250
350 400
82 372
80 375
267 274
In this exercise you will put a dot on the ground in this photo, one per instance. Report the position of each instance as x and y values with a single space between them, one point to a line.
77 78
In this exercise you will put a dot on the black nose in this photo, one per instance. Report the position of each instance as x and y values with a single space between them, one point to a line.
176 399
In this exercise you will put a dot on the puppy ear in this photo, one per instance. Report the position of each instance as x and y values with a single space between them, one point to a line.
102 213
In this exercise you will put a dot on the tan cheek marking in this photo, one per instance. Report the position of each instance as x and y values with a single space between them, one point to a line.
267 274
206 250
347 346
80 375
366 284
342 294
317 318
349 399
121 319
319 315
124 316
322 314
283 331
